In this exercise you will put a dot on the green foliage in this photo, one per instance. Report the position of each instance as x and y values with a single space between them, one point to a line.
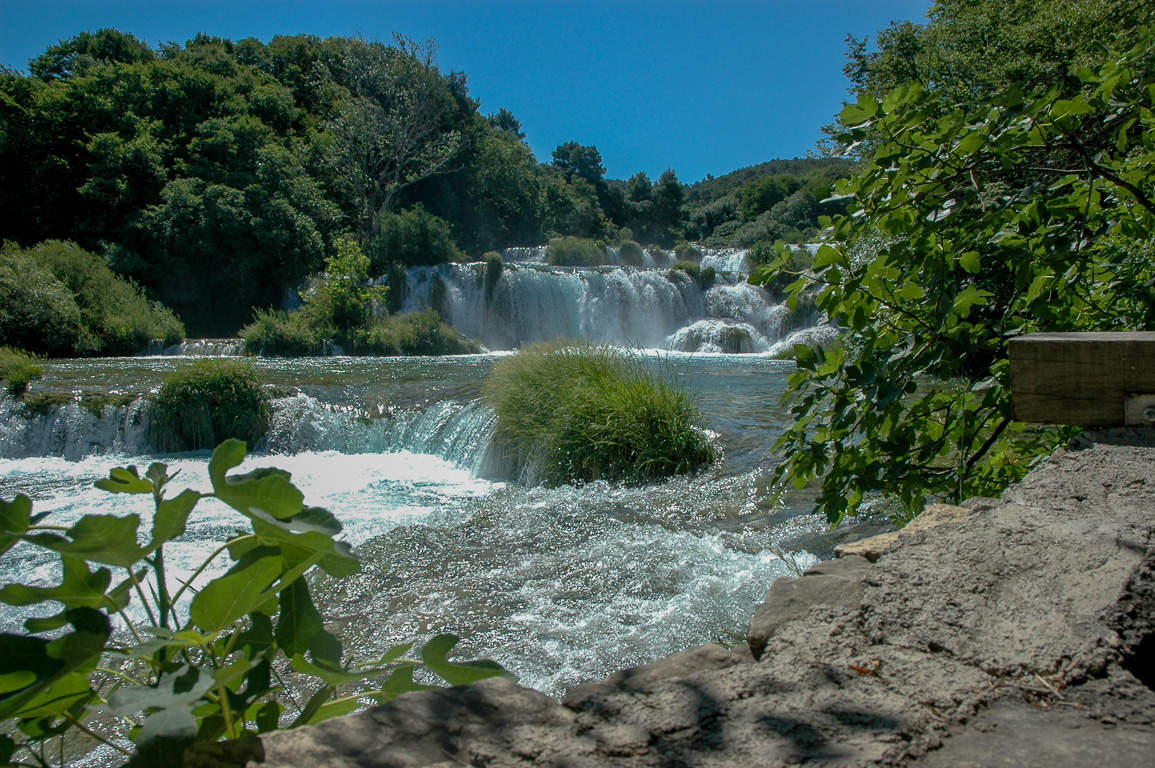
574 252
687 252
1011 215
416 333
765 253
207 402
413 237
583 413
199 660
493 269
57 298
971 48
715 189
281 334
18 370
631 254
762 195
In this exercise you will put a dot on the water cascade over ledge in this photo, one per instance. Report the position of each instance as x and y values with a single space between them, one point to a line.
664 309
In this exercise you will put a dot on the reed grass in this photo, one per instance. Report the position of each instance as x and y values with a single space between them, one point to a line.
207 403
583 412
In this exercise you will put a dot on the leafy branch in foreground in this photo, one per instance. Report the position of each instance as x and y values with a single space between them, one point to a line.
184 661
1013 215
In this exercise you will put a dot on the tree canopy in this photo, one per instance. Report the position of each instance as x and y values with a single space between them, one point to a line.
220 175
974 216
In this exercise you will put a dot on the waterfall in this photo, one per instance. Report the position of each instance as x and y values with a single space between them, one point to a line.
196 348
648 308
457 432
72 432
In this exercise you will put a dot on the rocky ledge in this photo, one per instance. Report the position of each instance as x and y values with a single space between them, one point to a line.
1014 632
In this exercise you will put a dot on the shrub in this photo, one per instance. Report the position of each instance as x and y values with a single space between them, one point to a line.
99 313
417 333
631 254
37 311
574 252
414 237
18 370
493 269
207 402
280 334
687 252
583 413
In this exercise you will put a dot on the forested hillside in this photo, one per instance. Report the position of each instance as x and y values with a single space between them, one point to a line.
218 174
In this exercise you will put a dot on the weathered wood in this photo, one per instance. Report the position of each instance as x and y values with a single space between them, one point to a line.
1082 379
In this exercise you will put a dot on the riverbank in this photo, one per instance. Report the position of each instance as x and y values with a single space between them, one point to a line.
1018 634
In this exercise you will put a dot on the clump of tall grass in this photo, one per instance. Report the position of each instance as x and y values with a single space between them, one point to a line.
581 413
574 252
631 254
418 333
18 370
207 403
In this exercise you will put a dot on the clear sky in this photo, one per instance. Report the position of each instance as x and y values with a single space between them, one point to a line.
700 86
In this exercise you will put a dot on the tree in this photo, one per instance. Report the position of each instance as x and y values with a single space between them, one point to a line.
574 160
1000 217
503 120
77 55
391 132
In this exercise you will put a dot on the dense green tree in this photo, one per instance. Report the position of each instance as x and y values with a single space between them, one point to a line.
972 48
969 225
87 50
503 120
391 131
763 194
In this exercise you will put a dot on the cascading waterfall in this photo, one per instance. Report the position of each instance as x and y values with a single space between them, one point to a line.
648 308
457 432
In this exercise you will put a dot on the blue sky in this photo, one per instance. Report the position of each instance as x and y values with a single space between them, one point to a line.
700 86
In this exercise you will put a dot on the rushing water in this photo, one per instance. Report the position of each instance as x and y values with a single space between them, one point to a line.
559 585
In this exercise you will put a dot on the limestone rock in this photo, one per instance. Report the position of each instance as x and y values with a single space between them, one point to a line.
834 583
874 547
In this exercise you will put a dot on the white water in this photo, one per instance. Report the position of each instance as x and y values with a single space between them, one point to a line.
559 585
648 308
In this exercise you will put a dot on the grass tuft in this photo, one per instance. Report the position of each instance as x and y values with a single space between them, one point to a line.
18 370
584 413
207 403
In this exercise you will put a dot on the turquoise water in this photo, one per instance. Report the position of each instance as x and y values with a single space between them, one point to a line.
560 585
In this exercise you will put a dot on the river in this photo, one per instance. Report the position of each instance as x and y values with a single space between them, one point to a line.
559 585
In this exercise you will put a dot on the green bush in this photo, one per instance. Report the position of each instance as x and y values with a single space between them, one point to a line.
18 370
493 269
417 333
703 277
280 334
414 238
37 311
585 413
631 254
207 402
687 252
204 657
574 252
69 302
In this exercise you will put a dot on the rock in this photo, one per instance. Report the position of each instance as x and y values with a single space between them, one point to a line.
495 722
834 583
874 547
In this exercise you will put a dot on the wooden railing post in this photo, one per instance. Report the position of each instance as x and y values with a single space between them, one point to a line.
1084 379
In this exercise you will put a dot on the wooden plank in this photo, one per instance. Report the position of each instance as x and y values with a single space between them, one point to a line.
1080 378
